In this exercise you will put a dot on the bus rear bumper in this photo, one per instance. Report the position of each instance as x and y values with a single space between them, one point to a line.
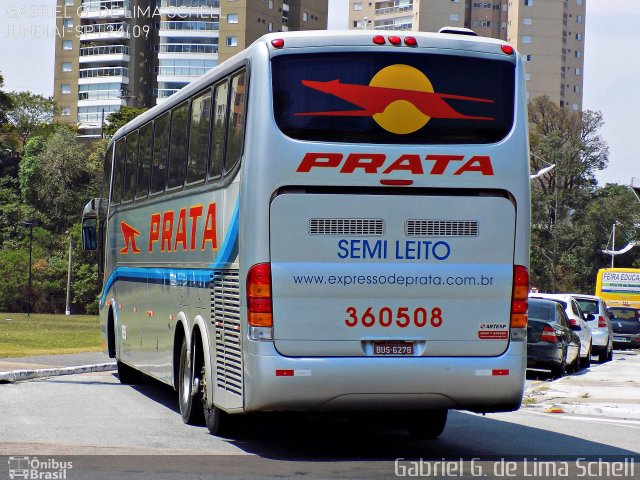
479 384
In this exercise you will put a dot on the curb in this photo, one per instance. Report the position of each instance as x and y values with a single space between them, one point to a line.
17 375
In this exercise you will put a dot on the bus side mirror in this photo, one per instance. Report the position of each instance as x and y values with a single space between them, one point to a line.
90 214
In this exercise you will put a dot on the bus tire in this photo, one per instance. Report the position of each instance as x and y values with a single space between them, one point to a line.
190 402
426 425
128 375
217 421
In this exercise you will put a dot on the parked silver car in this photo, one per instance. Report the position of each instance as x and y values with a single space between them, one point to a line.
576 317
598 320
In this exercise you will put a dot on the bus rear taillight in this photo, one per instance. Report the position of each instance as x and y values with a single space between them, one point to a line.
259 305
519 304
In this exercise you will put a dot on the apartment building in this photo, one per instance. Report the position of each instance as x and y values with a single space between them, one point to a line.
112 53
548 33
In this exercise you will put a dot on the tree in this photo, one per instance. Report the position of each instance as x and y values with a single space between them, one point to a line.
118 119
570 140
29 113
5 103
58 176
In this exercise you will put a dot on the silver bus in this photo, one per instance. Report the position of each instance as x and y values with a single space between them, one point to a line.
326 222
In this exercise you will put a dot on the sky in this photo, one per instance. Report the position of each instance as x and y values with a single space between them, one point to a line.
611 71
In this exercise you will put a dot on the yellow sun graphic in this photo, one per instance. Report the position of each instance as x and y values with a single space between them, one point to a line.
401 116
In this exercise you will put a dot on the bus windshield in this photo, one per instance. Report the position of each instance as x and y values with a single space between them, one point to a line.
371 98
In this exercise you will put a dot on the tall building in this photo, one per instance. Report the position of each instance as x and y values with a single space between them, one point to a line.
548 33
112 53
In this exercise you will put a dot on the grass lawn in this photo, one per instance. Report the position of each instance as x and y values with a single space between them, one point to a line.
47 334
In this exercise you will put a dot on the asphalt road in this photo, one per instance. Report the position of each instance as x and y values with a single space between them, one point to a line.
111 430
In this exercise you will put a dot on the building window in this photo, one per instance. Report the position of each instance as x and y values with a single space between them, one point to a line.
69 3
526 39
357 7
66 66
527 21
578 54
578 18
578 2
575 107
305 17
576 89
67 45
65 111
232 18
67 23
270 4
454 17
528 58
528 3
578 72
232 41
270 27
579 37
527 76
65 88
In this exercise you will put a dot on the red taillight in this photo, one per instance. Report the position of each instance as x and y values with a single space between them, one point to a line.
277 42
394 40
410 41
519 304
379 40
602 323
508 49
259 304
548 335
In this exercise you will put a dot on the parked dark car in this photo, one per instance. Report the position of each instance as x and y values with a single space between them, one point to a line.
625 322
552 342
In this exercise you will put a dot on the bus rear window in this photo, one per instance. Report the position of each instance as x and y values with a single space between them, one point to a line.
393 97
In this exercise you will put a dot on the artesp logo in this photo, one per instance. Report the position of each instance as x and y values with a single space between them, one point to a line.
399 98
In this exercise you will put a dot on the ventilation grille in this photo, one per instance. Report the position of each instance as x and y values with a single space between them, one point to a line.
442 228
225 316
346 226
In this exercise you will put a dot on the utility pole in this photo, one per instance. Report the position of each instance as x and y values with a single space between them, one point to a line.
68 308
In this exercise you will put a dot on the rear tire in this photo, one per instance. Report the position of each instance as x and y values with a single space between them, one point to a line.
586 361
426 425
128 375
560 370
606 355
218 421
190 402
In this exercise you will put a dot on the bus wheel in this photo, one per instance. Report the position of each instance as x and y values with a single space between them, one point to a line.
190 403
128 375
217 421
426 424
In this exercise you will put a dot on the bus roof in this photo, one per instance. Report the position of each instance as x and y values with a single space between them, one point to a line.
326 39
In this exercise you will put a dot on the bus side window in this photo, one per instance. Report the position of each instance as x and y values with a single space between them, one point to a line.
217 135
116 190
106 180
178 145
144 160
130 167
199 137
235 135
160 145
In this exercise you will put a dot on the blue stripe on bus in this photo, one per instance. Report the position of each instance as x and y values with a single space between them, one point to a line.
191 277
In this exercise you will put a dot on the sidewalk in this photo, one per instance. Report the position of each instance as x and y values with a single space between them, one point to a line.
609 390
24 368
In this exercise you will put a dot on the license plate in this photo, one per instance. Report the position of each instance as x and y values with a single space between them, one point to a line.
620 339
392 348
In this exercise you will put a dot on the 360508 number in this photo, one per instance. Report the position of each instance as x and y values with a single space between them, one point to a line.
401 317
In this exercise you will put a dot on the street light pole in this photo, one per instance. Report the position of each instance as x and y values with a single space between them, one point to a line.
68 307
